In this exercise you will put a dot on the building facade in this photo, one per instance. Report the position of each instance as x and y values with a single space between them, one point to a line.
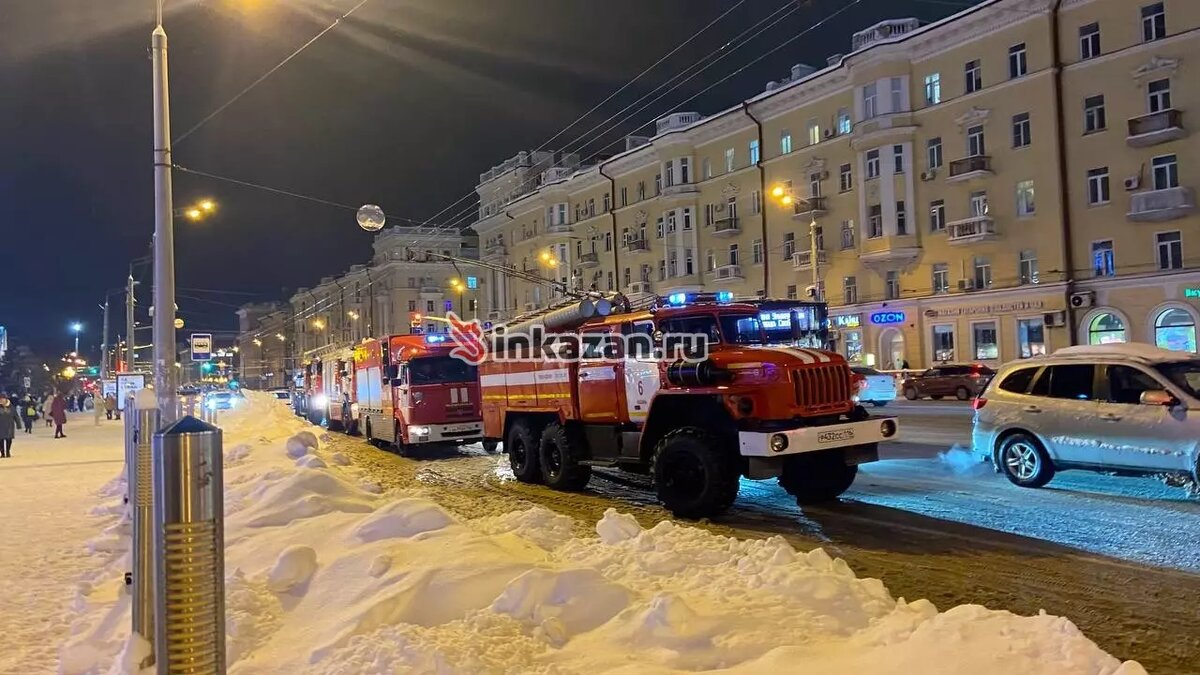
996 185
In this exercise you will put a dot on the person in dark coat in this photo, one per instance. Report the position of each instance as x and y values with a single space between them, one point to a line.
58 413
8 426
29 412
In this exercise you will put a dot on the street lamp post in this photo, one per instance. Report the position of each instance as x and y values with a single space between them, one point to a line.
165 375
75 328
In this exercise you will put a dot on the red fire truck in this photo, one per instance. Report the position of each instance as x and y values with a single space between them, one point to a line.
411 392
751 407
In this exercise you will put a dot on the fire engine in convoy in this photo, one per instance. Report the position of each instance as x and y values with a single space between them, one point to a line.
755 406
411 392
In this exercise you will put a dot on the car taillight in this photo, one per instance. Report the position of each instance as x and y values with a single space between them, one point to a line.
978 403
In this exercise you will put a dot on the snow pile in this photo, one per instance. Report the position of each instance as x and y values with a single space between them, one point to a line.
327 575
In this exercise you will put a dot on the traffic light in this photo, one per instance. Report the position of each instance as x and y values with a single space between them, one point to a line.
206 367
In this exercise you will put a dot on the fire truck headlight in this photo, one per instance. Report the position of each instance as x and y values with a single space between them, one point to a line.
418 431
887 428
319 401
779 442
745 405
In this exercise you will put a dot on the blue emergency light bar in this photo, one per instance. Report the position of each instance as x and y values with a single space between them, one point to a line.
684 299
434 339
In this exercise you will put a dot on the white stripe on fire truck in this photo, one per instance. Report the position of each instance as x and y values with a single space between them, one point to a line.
454 394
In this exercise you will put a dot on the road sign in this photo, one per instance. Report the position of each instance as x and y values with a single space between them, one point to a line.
472 283
128 383
202 346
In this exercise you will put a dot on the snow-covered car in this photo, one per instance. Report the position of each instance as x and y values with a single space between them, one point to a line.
1121 408
282 395
874 387
221 400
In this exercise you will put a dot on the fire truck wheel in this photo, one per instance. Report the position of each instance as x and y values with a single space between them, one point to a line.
490 446
559 453
522 449
693 475
818 477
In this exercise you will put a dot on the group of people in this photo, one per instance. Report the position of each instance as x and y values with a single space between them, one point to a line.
21 412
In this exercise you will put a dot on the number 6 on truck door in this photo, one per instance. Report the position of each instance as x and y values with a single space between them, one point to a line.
641 370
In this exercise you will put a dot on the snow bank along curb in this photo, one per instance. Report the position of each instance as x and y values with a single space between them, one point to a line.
326 575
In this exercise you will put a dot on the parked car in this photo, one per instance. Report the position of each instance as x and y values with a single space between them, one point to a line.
282 395
963 382
1126 409
222 400
874 387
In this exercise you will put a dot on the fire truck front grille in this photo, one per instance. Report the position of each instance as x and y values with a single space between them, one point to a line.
822 388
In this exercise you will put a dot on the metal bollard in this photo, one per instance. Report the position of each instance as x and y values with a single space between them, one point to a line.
130 447
189 538
145 422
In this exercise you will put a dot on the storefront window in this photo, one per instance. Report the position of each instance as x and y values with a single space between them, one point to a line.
943 343
1106 329
853 344
987 346
1031 337
1175 329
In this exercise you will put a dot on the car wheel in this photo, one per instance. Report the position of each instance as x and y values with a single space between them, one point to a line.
1024 461
962 393
910 393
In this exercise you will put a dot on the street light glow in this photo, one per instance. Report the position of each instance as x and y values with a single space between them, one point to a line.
280 336
207 205
257 342
76 326
787 200
777 191
193 213
318 324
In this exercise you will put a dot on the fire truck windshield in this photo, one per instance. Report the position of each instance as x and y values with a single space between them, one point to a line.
738 329
439 369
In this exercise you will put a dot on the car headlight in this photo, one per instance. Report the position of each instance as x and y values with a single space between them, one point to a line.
418 431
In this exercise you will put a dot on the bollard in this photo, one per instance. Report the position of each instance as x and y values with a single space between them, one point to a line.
143 410
130 447
189 539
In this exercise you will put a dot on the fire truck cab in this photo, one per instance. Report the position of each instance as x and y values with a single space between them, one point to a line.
411 392
752 407
340 412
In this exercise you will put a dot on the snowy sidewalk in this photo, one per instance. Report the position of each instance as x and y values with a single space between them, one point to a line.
48 488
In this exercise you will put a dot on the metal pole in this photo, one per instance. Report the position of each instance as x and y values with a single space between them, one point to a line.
189 631
164 235
141 477
104 344
812 242
129 353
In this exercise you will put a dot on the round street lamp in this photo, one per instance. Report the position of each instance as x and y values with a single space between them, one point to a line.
370 218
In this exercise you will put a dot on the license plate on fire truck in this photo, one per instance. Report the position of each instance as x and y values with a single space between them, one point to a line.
453 428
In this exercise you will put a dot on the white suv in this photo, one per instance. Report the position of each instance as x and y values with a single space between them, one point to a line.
1123 408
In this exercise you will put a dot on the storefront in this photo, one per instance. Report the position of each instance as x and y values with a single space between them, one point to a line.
1162 310
993 328
846 331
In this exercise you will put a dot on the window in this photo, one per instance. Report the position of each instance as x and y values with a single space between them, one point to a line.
875 222
689 263
891 287
1031 338
673 264
1166 172
755 155
711 263
1094 118
973 75
979 204
870 101
659 230
1089 41
608 241
983 272
849 290
610 281
933 150
1126 384
897 92
987 347
755 202
941 278
898 158
1027 267
685 170
1025 198
709 214
943 343
791 292
1103 258
933 89
627 277
901 219
1067 381
706 168
429 305
937 215
1154 22
729 157
607 202
641 190
1018 64
662 270
785 142
756 251
624 196
412 305
686 215
1175 329
843 121
658 184
1170 250
733 254
847 234
1097 184
975 145
845 178
789 245
814 185
814 132
1022 135
1106 329
872 164
1158 96
731 208
1018 381
591 206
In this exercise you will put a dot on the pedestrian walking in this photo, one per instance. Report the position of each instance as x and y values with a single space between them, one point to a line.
97 407
29 412
8 426
110 405
58 412
45 408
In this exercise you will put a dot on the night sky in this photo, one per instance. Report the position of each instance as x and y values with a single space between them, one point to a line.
403 105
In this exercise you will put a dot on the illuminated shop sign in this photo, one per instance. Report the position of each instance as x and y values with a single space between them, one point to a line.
885 318
846 321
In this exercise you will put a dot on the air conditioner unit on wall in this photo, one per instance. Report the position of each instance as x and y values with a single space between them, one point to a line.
1054 319
1132 183
966 284
928 175
829 133
1082 299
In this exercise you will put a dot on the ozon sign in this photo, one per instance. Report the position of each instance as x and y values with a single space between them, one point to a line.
886 318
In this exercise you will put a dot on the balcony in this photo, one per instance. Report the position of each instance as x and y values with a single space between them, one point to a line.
1155 128
808 208
971 230
889 253
680 189
968 168
587 260
638 288
559 228
637 246
494 249
726 227
728 272
883 129
1153 206
802 260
